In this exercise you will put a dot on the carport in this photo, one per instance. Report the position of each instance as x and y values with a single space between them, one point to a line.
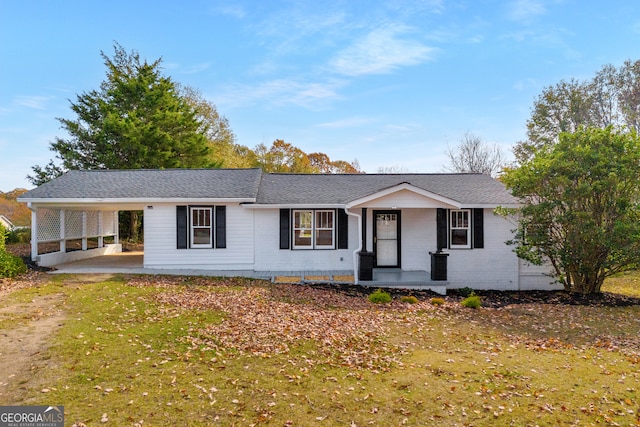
64 231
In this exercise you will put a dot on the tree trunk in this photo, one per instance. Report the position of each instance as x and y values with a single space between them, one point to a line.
133 226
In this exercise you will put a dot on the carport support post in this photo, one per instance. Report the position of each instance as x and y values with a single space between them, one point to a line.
116 238
84 230
100 235
34 233
63 242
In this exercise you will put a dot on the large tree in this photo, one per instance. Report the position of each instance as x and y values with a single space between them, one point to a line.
581 206
472 155
610 98
137 119
283 157
225 152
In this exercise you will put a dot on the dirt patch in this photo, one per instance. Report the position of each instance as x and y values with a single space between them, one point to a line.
24 341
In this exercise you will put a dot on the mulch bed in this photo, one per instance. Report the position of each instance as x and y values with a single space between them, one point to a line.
497 299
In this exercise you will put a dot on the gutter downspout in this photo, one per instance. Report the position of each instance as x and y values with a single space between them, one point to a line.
359 248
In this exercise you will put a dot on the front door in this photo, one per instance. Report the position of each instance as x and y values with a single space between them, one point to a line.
386 238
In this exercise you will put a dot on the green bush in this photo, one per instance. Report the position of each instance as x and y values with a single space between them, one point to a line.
472 302
466 292
437 301
380 297
409 299
19 235
10 265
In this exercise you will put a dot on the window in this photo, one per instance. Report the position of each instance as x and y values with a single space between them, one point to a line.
201 228
303 229
460 229
313 229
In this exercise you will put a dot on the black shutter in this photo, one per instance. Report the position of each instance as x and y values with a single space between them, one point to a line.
221 226
182 227
285 227
343 229
441 228
478 228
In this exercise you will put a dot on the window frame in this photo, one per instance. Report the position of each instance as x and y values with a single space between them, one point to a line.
313 229
211 227
453 214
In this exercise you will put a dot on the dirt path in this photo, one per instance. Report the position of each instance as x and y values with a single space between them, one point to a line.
26 332
29 327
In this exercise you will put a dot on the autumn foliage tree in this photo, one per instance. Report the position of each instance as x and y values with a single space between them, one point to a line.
283 157
18 213
581 206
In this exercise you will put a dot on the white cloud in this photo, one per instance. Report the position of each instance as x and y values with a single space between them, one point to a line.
380 52
282 92
525 10
233 10
347 123
35 102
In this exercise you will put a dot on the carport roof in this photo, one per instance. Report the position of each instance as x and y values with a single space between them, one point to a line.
150 184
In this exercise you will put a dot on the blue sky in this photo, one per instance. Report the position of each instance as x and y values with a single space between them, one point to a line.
389 83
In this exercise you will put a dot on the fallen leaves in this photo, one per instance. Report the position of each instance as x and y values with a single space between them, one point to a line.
264 321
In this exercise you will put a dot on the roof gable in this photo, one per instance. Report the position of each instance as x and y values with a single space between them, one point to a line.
405 195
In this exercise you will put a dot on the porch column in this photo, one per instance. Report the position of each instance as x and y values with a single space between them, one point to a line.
364 229
366 258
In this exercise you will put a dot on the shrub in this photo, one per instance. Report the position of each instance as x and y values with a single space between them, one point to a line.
10 265
19 235
466 292
380 297
437 301
472 301
409 299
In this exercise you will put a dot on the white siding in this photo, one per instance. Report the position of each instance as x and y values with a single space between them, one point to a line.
160 242
269 256
536 277
253 243
418 238
493 267
405 199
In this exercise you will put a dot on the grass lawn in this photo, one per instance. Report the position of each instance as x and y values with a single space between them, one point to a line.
160 351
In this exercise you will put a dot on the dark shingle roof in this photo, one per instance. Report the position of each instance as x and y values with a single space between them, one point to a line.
272 189
145 184
466 189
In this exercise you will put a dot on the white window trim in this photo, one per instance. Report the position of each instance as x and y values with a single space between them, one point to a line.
296 229
333 229
192 228
467 228
313 229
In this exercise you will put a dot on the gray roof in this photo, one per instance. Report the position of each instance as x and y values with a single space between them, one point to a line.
276 189
151 184
467 189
